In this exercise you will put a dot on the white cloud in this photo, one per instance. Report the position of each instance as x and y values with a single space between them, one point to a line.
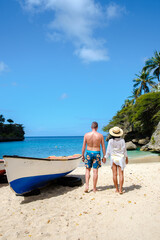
114 10
3 67
64 96
55 37
77 21
92 54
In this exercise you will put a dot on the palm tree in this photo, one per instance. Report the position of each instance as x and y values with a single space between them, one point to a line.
10 121
135 94
128 103
144 81
154 64
2 119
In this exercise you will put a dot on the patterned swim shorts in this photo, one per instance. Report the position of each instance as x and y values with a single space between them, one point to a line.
93 158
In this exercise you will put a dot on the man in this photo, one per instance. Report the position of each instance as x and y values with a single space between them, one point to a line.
93 140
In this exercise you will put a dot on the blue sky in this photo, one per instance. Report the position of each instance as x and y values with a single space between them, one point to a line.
66 63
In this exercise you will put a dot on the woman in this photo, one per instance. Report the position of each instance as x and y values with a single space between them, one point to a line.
116 150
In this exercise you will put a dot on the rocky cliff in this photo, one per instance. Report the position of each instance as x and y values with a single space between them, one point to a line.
11 132
154 144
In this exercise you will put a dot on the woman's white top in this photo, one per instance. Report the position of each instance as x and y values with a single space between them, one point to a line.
117 152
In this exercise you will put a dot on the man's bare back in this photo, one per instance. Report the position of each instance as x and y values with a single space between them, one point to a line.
93 141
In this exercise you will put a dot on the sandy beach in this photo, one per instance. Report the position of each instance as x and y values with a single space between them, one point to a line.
69 213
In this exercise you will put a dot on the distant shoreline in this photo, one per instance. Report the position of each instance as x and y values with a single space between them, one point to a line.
146 159
135 160
58 146
11 139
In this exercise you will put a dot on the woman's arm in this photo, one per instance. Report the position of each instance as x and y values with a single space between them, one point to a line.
126 160
108 152
125 152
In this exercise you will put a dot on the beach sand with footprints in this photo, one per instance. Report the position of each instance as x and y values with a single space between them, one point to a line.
60 213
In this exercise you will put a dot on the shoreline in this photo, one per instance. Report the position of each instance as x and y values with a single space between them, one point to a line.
145 159
134 160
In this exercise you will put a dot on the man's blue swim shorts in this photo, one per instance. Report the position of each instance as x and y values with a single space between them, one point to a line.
93 158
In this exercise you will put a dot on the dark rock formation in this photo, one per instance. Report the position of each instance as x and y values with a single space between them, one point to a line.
130 146
154 144
135 141
143 141
10 139
11 132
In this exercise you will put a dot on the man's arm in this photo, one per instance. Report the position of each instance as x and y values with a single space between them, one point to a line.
103 150
84 147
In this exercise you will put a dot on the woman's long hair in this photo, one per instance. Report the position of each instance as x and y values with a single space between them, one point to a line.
113 137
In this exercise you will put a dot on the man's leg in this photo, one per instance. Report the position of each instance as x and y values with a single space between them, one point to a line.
95 178
114 169
87 176
121 180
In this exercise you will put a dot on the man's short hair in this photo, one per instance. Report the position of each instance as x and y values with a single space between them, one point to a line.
94 125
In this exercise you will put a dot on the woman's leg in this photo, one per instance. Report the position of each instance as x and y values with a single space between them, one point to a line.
114 169
121 180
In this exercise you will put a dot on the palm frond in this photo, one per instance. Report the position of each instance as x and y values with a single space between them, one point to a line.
136 84
156 72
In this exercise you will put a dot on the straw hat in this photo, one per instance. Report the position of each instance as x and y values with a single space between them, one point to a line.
116 131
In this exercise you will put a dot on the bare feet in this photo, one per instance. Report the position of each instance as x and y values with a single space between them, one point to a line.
117 191
95 190
86 190
121 191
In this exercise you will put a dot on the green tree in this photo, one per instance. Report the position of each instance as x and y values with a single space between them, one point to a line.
10 121
128 103
143 82
156 88
10 132
153 64
135 94
140 118
146 113
121 119
2 119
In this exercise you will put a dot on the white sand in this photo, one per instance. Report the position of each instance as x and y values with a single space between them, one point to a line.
68 213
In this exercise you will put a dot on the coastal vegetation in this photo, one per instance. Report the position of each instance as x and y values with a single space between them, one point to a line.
153 65
140 113
10 131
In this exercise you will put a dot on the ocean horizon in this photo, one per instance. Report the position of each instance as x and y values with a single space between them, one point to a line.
44 146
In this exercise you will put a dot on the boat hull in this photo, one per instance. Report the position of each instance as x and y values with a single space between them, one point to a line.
2 168
26 174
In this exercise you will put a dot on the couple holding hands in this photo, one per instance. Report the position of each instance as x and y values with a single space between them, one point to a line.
116 150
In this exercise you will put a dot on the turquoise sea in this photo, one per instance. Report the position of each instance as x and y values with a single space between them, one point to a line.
46 146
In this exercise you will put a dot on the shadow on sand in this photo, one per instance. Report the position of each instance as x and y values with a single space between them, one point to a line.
3 181
126 189
104 188
131 188
53 189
